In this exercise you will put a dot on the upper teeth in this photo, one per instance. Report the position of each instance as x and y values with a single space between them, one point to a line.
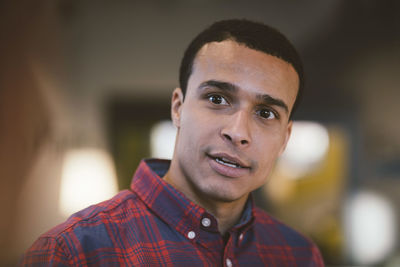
227 162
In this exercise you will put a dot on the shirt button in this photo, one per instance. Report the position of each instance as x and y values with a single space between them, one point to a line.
228 262
206 222
191 235
240 237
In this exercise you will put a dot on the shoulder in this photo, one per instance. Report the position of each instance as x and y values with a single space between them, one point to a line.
271 228
89 229
271 233
121 205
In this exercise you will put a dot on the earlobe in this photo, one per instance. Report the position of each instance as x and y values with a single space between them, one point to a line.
176 106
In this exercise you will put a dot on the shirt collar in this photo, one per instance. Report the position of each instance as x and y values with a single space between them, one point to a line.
171 205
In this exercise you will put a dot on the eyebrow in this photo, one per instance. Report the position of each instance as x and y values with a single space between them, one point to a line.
226 86
269 100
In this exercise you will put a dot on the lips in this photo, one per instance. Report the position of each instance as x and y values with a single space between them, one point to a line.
228 165
229 160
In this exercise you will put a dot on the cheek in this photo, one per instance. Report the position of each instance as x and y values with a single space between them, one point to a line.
194 130
197 122
267 148
266 162
269 139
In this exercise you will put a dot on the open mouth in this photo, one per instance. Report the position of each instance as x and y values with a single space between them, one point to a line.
228 166
228 162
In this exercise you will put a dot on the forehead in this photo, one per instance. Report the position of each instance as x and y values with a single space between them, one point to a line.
249 69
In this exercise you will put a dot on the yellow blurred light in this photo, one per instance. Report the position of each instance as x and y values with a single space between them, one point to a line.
88 177
307 146
162 140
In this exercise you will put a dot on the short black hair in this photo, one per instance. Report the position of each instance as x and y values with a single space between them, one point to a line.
254 35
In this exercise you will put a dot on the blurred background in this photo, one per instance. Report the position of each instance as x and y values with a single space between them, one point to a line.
85 92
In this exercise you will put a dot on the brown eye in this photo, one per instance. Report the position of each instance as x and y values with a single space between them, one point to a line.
267 114
217 100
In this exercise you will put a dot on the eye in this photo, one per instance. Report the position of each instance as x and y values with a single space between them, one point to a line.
267 114
217 100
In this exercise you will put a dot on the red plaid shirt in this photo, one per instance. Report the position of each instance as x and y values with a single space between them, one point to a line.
155 225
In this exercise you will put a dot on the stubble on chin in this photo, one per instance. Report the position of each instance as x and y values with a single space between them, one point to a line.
208 187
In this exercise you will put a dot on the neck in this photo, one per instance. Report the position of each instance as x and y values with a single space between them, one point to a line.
227 214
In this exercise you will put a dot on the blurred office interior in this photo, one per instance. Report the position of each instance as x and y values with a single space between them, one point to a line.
84 95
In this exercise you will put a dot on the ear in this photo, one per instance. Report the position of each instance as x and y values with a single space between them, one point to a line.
176 106
287 136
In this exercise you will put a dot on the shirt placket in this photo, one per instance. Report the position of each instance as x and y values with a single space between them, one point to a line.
235 241
210 239
229 257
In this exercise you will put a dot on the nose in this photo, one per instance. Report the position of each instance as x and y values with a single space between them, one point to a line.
237 129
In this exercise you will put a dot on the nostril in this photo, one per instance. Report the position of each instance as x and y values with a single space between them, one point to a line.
227 137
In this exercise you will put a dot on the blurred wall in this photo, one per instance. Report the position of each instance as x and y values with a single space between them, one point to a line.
30 116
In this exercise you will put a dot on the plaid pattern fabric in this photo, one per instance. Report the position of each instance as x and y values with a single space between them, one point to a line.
155 225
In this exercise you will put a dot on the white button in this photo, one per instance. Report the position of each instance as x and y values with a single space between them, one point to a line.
228 262
191 235
241 237
206 222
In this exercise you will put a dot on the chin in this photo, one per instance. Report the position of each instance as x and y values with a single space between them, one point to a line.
223 194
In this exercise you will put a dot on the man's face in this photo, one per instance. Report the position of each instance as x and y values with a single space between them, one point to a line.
233 122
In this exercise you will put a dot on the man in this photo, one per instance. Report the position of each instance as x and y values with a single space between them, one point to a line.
239 83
